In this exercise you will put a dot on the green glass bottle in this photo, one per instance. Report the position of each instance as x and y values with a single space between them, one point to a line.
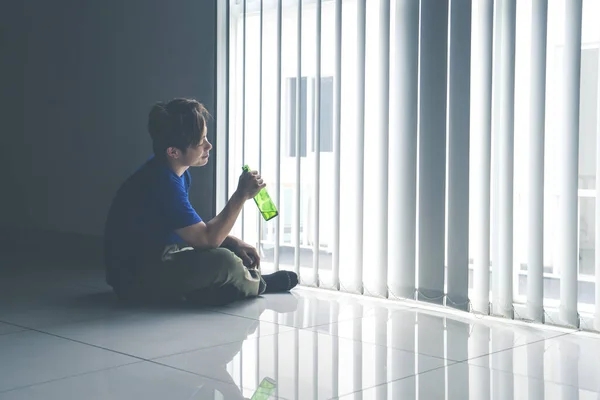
263 202
265 390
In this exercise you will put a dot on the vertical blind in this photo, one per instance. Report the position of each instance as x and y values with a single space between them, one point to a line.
437 150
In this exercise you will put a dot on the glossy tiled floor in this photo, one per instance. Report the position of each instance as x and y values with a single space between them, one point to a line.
63 336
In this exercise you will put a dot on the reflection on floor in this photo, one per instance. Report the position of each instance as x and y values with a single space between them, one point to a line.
63 336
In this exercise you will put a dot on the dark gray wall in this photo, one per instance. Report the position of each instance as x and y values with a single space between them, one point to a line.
78 79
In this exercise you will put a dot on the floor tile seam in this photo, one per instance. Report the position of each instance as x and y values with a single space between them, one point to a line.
355 318
513 347
284 324
21 330
71 376
388 319
309 329
215 311
367 388
466 362
115 367
196 374
229 383
140 361
241 316
13 324
41 331
508 349
343 320
451 361
491 369
429 355
330 323
21 327
53 325
138 358
86 344
211 347
355 295
133 312
62 285
469 317
393 381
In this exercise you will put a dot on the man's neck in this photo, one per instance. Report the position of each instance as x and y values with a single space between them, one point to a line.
176 167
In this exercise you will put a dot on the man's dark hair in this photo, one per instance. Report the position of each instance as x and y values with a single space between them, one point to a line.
180 123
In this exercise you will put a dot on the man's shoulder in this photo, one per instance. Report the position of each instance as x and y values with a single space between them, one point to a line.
152 183
154 174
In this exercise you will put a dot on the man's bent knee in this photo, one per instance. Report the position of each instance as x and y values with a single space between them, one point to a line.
229 270
222 260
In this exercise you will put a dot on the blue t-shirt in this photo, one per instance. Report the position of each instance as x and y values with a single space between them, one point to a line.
146 211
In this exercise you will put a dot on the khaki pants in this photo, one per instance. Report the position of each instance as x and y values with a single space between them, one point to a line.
213 277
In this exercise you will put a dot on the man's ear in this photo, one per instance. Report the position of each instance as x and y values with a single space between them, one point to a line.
173 152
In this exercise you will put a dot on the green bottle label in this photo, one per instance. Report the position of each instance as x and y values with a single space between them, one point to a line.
263 202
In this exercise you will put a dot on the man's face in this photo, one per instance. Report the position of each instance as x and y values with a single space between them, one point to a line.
197 156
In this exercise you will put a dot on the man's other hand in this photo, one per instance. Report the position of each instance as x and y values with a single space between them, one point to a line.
247 253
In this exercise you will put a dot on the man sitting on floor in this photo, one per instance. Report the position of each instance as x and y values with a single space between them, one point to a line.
155 244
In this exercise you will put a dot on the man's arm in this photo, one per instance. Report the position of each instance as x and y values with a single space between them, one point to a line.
212 234
230 242
246 252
